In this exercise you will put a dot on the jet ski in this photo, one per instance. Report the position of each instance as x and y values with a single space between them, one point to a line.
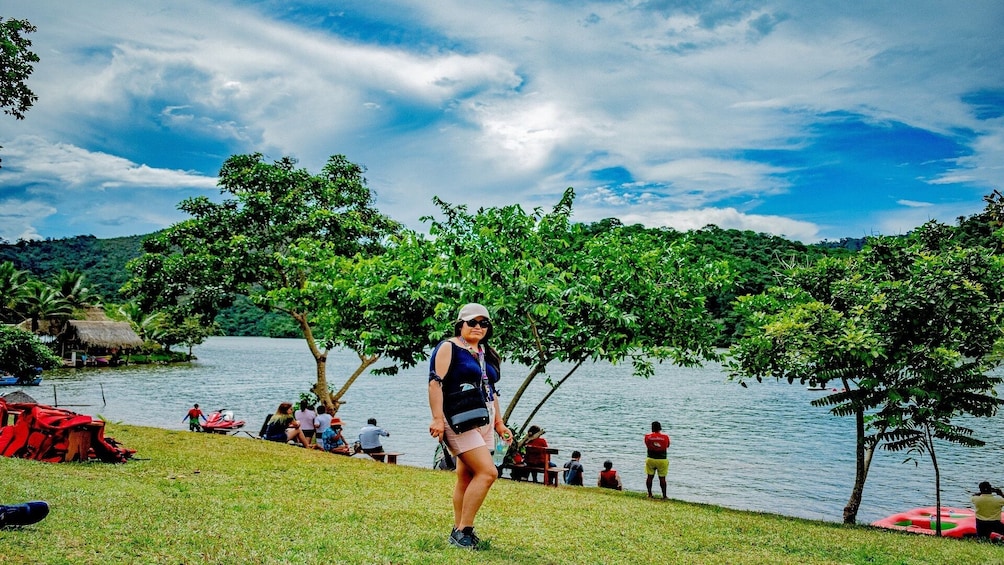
222 421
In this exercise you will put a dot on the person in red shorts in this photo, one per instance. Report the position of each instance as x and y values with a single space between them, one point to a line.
656 463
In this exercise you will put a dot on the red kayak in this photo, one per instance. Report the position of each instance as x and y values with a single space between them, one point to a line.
955 522
222 422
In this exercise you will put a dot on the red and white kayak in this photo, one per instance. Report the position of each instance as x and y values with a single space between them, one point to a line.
955 522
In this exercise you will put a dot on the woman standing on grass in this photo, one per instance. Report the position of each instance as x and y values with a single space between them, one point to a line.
467 359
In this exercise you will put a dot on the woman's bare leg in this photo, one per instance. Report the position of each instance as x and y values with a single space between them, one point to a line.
472 487
296 434
464 476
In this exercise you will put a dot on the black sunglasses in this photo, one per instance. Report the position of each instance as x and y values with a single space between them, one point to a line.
482 323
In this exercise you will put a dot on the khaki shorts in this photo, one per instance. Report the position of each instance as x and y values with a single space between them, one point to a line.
656 465
472 439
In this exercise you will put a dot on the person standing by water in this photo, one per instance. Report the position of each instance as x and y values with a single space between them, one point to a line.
466 360
988 512
657 443
369 439
193 418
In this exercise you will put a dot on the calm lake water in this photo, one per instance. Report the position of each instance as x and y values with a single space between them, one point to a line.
760 448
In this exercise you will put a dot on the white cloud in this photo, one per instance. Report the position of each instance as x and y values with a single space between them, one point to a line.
506 103
726 218
63 166
18 218
913 204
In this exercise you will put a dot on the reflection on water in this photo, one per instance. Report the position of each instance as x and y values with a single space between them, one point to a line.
759 448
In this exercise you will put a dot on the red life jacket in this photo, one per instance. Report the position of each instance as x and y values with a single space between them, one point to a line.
43 433
608 479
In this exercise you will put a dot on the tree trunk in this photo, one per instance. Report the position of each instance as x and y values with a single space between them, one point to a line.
863 453
937 482
522 388
320 359
546 396
336 399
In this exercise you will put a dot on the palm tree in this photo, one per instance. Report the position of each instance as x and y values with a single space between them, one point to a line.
12 281
146 325
40 301
72 287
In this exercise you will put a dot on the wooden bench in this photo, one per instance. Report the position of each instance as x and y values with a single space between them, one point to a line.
391 458
541 457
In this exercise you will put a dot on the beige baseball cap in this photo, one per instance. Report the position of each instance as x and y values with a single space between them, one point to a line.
471 311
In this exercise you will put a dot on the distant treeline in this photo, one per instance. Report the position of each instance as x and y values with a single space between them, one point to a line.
103 261
755 257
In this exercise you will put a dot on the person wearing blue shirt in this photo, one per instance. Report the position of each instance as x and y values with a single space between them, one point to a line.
573 470
369 438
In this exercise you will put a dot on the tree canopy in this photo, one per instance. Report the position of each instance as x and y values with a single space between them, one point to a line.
21 353
560 293
16 65
909 326
250 244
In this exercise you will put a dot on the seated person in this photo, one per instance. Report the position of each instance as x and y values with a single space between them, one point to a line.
535 458
332 439
573 470
283 427
609 477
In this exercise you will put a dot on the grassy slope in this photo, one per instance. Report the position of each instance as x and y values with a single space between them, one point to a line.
244 503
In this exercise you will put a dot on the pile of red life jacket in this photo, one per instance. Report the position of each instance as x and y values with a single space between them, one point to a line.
44 433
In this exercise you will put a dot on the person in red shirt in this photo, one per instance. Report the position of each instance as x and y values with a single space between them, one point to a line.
193 418
535 433
657 443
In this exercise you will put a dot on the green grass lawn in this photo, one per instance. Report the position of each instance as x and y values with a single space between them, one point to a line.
198 498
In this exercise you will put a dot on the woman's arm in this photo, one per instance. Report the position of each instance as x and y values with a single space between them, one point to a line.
444 355
500 427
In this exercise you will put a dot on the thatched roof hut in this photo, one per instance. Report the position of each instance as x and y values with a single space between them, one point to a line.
106 335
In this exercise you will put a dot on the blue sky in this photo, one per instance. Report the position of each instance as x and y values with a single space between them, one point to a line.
811 120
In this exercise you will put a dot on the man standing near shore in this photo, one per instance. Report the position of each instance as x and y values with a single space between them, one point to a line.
656 443
193 419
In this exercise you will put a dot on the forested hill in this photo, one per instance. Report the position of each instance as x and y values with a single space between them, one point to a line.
104 263
102 260
755 257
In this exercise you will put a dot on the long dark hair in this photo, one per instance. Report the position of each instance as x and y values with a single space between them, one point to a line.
492 357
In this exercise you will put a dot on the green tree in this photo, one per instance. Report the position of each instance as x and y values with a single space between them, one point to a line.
40 301
12 281
558 293
72 286
382 307
21 353
16 65
146 325
240 246
903 326
189 332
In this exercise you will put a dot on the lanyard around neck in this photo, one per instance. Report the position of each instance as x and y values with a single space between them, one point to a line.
485 383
